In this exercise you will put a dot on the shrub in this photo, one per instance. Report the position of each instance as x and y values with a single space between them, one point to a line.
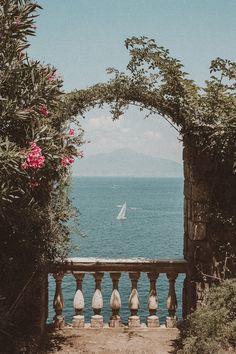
211 329
37 147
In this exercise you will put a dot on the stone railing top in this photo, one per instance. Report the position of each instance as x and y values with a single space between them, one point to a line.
91 264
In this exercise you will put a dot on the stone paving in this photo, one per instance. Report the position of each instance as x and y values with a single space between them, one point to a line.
118 341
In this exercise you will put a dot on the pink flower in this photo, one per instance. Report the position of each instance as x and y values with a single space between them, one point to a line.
66 160
72 132
43 110
50 76
34 158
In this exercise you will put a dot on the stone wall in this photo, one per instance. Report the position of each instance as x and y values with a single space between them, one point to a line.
203 240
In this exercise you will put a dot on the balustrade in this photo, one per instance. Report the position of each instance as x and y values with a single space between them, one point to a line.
79 267
78 319
115 301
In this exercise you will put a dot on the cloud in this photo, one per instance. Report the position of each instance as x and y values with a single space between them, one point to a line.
153 137
150 134
106 124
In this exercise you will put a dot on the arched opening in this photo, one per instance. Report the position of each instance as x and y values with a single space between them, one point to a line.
148 155
169 93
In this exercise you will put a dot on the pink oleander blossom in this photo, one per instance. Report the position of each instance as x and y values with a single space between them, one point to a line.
50 76
43 110
72 131
66 160
34 158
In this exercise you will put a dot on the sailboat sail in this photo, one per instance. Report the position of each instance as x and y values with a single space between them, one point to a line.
121 215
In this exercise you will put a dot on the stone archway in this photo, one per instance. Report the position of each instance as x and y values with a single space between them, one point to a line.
156 82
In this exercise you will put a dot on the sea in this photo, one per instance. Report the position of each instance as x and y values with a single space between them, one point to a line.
153 228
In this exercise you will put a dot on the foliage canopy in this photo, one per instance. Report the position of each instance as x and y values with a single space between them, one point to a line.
156 82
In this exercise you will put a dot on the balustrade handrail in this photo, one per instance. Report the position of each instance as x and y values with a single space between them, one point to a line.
91 264
134 266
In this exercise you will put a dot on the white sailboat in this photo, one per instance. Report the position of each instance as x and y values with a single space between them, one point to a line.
121 215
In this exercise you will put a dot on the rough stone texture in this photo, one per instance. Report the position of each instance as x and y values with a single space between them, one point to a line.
118 341
97 321
204 182
196 228
171 322
153 321
134 321
78 321
115 322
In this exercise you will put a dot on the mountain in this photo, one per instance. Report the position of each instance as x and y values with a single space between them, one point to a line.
126 162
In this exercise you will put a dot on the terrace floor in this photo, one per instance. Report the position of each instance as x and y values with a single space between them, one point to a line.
114 340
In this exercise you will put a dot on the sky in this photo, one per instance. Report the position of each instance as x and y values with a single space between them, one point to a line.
82 38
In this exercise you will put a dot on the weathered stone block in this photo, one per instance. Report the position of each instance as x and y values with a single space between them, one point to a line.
58 322
199 191
199 212
196 231
134 321
153 321
97 321
190 229
189 209
199 231
171 322
78 321
187 189
115 322
186 170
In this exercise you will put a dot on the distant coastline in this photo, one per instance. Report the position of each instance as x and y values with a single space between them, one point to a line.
127 163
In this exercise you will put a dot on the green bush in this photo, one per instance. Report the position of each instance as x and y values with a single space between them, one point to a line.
37 147
211 329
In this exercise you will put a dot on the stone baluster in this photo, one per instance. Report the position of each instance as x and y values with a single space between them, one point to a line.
134 319
97 302
78 303
115 301
153 320
171 303
58 302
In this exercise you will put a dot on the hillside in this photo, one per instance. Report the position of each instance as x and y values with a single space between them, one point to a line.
126 162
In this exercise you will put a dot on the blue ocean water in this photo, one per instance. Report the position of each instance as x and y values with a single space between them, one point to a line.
153 229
